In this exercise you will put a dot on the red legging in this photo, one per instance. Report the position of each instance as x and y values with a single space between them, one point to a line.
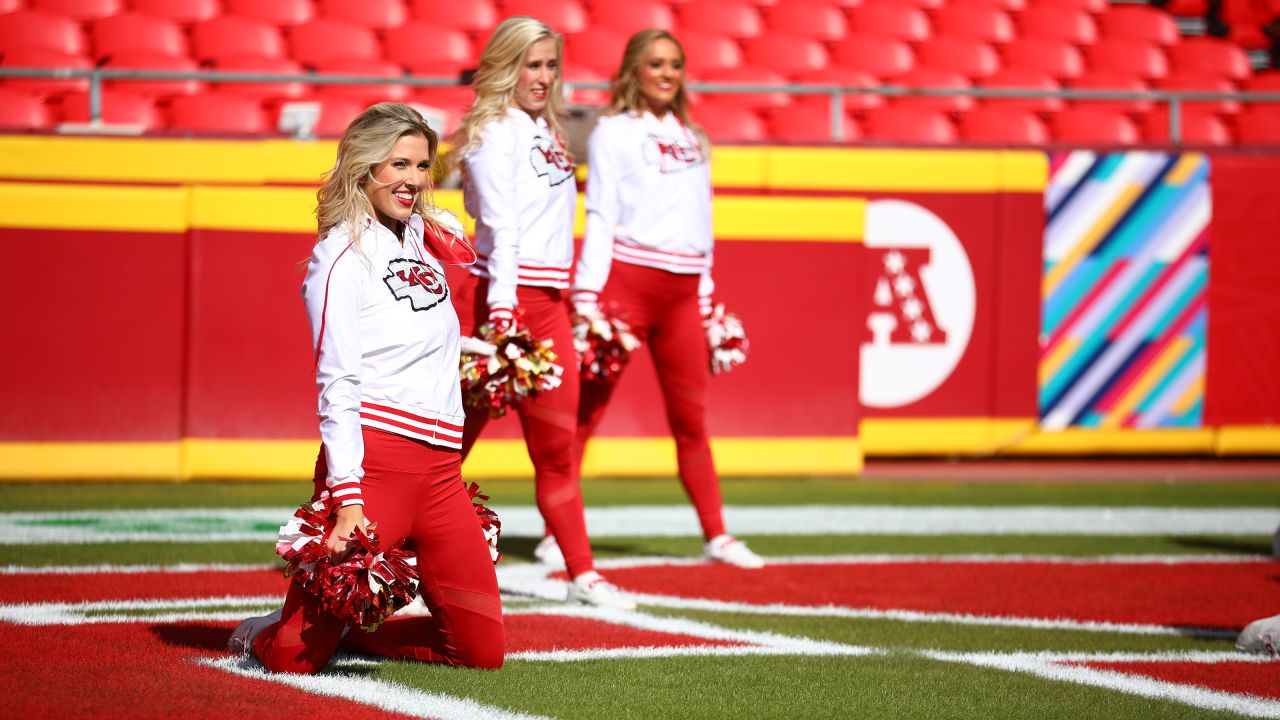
662 309
549 420
411 490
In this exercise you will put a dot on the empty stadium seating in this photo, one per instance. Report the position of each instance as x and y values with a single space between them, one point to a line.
1000 126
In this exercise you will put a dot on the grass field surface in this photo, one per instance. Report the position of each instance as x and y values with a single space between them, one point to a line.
1114 595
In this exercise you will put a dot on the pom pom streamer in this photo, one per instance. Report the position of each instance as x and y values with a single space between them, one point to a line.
489 521
366 586
604 344
726 338
520 368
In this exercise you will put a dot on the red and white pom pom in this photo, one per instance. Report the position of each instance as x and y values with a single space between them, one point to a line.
604 344
726 338
489 521
366 587
520 367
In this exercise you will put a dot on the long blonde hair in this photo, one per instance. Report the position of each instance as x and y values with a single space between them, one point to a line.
496 76
366 143
626 96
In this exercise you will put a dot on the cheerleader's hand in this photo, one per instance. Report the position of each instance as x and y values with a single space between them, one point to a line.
348 518
502 320
722 360
476 346
586 304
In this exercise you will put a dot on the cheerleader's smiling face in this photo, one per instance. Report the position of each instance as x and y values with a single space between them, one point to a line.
396 183
537 77
660 75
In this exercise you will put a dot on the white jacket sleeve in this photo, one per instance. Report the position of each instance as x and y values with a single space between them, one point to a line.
604 207
333 292
706 285
491 169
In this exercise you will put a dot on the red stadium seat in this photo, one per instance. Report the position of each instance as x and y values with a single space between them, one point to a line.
373 14
1013 6
1259 125
45 59
35 30
746 76
586 96
1198 127
843 77
453 100
704 52
20 111
1204 83
935 77
1058 22
138 33
909 125
972 58
600 49
264 90
891 20
368 94
1248 36
786 54
448 50
232 36
1210 56
1187 8
154 88
474 16
633 15
336 113
1018 79
1127 57
325 39
1103 81
217 113
1055 58
1094 126
926 5
80 10
730 124
284 13
118 108
1097 7
1264 82
183 12
564 16
810 123
8 6
733 18
815 20
975 21
881 57
1000 126
1245 20
1141 23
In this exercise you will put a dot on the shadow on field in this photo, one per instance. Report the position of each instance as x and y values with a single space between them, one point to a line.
197 636
522 548
1227 545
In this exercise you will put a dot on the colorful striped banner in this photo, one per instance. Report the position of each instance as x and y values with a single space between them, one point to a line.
1126 265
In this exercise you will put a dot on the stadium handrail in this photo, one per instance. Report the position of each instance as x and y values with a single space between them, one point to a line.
1174 98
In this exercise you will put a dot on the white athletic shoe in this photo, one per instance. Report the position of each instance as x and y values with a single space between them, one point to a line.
1261 637
241 642
590 588
731 551
548 552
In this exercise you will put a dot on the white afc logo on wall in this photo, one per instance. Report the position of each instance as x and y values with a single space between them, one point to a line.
921 313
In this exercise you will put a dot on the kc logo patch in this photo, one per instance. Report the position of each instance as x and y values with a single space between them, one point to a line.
672 154
416 282
549 160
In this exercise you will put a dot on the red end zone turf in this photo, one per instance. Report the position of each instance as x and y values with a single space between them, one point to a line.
1250 678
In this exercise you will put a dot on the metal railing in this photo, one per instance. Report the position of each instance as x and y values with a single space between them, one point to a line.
1173 98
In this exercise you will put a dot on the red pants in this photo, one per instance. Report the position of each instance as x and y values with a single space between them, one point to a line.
662 309
549 420
411 490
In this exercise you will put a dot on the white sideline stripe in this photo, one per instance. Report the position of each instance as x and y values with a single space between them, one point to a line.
247 524
385 695
1044 666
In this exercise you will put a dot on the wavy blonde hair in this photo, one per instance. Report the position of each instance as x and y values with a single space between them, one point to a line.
366 143
626 96
496 76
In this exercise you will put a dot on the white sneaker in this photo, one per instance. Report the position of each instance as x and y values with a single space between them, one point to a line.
1261 637
731 551
548 552
590 588
241 642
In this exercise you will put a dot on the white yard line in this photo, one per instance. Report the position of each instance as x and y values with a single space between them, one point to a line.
252 524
